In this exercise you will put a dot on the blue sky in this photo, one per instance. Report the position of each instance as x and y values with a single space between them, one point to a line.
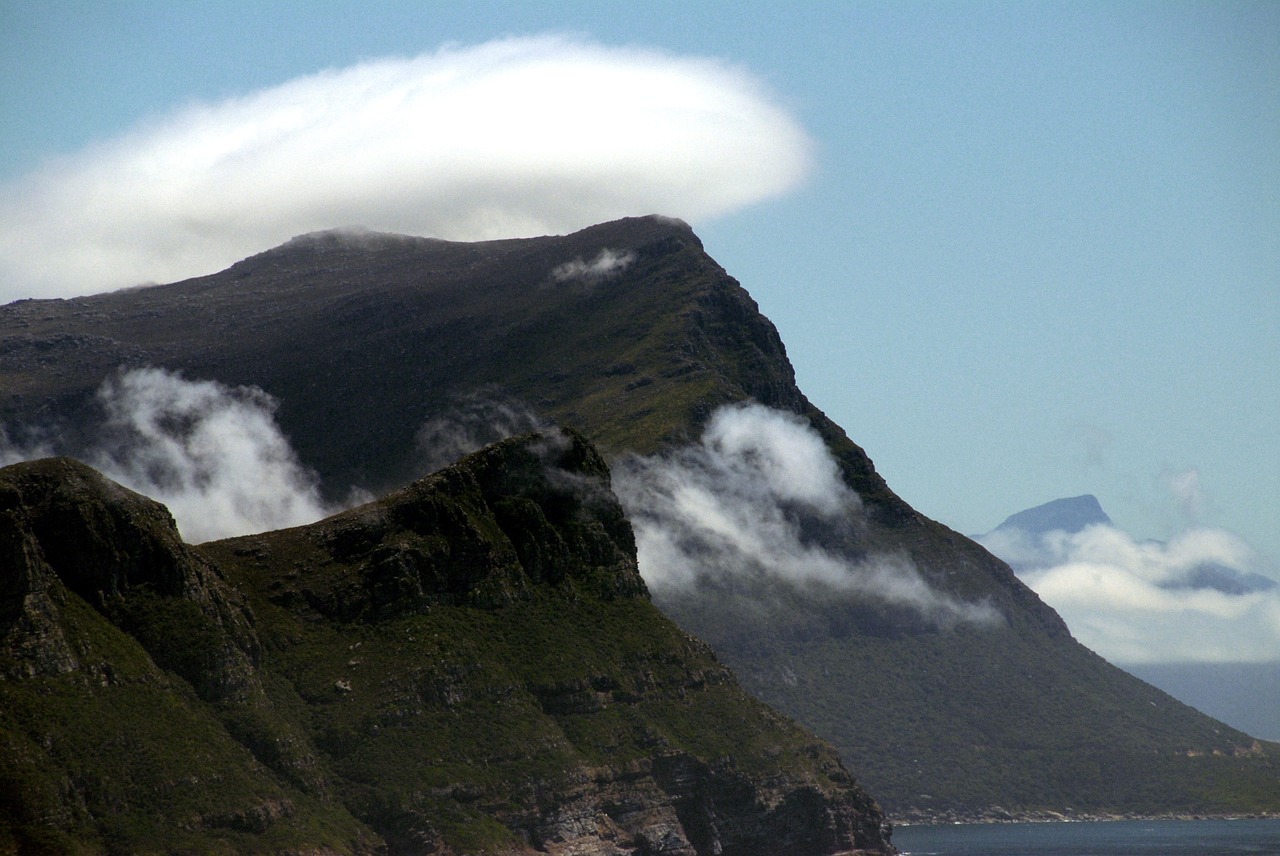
1029 250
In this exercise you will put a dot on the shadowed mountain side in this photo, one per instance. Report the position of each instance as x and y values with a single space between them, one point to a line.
982 723
630 333
133 714
349 332
469 665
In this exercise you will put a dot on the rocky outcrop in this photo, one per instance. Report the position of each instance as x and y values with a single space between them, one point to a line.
120 552
470 664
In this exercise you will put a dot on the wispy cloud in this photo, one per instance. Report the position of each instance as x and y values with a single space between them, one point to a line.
606 263
1186 490
472 423
509 138
1199 597
761 496
213 454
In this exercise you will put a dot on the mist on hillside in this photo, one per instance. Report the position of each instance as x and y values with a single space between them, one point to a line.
213 454
761 497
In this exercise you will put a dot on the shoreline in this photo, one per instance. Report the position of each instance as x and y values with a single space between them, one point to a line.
997 815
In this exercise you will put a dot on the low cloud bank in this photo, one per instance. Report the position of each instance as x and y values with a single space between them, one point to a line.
510 138
761 496
1198 597
213 454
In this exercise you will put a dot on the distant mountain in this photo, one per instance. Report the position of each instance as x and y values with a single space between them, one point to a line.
1246 695
946 684
468 665
1228 580
1019 540
1066 515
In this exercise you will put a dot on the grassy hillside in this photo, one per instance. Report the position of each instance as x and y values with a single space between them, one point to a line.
978 718
470 665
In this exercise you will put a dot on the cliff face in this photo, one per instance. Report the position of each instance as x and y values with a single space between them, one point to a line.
468 665
130 687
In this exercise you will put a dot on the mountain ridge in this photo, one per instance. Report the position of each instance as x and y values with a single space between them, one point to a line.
630 333
354 686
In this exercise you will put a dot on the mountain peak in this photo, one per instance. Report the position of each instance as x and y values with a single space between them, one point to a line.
1071 514
528 512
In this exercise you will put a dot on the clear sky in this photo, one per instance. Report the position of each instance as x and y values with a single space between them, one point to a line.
1020 251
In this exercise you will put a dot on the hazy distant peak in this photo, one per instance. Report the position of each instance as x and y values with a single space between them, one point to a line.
1215 576
1072 514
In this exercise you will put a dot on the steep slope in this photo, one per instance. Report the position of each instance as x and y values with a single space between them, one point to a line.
130 701
630 333
469 665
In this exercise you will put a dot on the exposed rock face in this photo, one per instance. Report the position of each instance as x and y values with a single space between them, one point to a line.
434 541
114 549
468 665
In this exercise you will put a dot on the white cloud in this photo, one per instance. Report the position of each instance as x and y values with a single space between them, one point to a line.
607 263
1186 490
211 453
510 138
471 424
1197 598
761 495
13 451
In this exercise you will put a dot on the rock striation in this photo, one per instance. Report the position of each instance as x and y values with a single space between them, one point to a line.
470 664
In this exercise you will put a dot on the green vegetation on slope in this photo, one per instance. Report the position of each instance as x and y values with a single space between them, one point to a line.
469 665
120 756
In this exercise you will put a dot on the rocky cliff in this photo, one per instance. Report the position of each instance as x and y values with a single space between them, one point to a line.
470 664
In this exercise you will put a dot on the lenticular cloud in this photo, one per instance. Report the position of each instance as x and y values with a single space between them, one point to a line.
509 138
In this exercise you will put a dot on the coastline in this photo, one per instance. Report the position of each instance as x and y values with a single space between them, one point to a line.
996 814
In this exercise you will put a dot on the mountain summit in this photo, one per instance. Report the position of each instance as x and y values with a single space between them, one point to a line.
947 685
1069 515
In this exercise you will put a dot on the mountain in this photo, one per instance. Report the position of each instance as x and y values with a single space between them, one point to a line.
1246 695
948 687
1068 515
1021 541
470 664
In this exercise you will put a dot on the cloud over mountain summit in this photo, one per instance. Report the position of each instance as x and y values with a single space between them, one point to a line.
509 138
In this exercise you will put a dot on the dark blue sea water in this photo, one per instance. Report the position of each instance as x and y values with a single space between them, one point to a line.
1111 838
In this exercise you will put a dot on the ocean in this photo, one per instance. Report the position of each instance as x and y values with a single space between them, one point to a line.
1110 838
